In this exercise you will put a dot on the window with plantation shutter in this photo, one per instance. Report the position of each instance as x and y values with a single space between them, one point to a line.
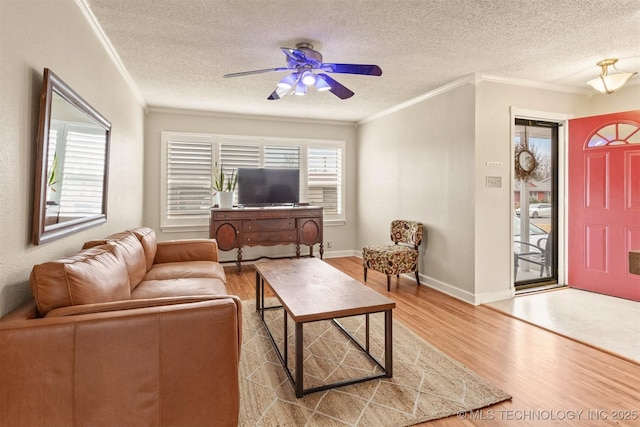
324 172
189 158
242 154
80 188
281 157
187 178
234 155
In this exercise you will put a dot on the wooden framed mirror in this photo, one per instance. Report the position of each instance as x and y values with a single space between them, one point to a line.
72 163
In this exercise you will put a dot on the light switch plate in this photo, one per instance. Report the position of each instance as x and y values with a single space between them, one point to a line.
494 182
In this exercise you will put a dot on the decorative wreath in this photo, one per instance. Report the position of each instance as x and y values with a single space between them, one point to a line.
525 162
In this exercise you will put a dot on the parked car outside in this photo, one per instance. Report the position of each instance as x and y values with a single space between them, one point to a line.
537 210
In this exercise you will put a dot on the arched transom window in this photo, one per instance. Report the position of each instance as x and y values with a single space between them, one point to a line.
615 134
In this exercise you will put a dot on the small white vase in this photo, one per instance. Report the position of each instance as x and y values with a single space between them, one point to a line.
224 199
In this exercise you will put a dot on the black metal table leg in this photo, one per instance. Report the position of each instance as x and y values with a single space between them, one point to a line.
299 369
286 339
258 292
366 346
388 344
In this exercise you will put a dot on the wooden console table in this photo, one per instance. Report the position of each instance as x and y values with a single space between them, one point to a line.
236 228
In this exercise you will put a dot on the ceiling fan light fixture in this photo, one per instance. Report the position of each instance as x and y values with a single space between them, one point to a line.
609 83
308 78
288 81
301 88
302 63
321 84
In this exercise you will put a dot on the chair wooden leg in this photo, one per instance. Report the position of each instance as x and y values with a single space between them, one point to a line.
417 278
365 274
388 283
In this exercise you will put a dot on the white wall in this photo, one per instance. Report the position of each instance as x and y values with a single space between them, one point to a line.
418 164
494 210
342 236
55 34
627 99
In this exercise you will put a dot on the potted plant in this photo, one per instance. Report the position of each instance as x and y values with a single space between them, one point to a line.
223 186
52 176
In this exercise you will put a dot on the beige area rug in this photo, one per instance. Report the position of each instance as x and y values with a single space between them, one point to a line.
426 383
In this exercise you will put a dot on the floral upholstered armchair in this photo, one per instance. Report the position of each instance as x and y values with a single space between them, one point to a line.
401 257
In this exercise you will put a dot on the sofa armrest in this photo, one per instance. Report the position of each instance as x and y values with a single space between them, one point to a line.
186 250
161 365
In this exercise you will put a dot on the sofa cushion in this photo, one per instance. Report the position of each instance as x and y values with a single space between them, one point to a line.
178 288
91 276
147 237
130 249
186 269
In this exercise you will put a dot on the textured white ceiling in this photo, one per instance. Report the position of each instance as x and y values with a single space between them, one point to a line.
176 51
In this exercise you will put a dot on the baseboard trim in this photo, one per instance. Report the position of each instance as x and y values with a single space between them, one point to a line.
448 289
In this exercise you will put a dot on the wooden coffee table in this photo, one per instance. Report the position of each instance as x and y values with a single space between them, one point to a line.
311 290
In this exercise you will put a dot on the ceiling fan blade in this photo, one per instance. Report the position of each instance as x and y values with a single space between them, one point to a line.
369 70
274 96
247 73
278 93
293 54
337 89
298 58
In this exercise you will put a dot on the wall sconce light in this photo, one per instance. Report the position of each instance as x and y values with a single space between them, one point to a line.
609 83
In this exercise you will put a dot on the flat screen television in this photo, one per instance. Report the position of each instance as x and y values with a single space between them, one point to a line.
263 187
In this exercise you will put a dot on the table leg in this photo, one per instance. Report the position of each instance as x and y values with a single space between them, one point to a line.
366 327
299 369
388 344
285 350
258 292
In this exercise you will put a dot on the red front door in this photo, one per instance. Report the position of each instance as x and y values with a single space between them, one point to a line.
604 203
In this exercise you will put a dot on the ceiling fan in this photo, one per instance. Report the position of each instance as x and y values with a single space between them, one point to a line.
309 70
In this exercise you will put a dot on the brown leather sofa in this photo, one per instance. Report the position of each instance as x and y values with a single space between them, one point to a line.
127 332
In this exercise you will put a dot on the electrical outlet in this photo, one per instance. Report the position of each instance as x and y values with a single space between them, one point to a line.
329 245
494 182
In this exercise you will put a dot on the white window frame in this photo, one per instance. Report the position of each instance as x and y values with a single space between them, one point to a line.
202 223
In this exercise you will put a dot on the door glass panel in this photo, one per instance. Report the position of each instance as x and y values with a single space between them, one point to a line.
535 196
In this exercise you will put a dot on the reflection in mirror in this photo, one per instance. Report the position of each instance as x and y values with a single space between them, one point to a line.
73 148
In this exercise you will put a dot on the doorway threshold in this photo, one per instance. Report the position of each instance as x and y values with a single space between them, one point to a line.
540 288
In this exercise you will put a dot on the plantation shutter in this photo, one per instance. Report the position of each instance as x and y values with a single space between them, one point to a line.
325 179
282 157
234 155
83 179
189 179
189 159
237 155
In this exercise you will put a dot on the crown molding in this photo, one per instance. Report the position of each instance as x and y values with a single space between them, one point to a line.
476 79
533 84
111 52
223 115
431 94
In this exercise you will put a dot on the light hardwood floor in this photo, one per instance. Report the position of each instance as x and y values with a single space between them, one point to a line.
553 380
